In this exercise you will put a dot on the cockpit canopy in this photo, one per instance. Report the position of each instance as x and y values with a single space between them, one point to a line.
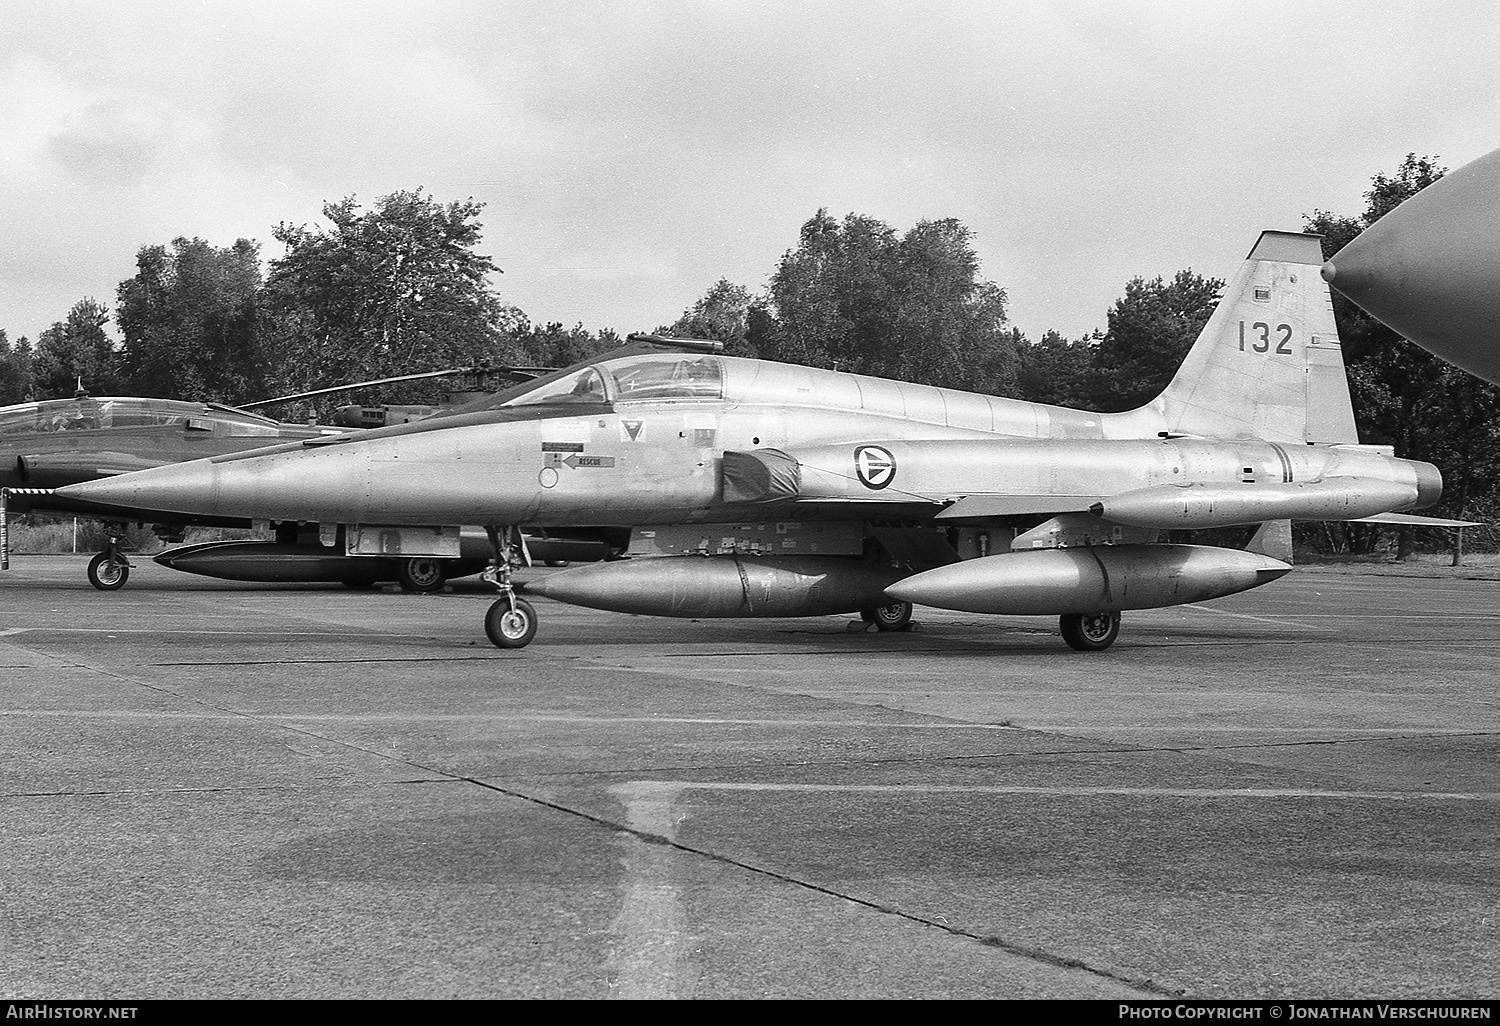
634 378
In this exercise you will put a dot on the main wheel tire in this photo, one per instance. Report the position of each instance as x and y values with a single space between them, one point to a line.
107 574
1090 632
510 628
894 617
422 574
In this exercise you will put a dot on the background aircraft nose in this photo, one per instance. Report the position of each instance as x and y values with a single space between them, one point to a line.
1430 269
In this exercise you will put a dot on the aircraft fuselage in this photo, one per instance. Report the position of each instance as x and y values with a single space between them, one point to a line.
663 463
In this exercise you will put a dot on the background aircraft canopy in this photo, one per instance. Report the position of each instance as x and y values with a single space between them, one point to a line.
89 414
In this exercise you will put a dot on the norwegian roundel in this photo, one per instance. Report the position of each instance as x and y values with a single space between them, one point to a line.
875 466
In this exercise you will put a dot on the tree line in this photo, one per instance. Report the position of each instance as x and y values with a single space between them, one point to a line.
401 288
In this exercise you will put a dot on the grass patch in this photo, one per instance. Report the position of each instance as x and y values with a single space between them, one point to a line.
50 537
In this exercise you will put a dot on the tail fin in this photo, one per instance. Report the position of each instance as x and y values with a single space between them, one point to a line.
1268 363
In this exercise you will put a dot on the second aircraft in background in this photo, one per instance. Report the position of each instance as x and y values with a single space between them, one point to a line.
48 444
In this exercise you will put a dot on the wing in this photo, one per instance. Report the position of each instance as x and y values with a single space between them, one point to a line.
1411 519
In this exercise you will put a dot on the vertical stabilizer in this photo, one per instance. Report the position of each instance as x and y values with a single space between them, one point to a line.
1268 363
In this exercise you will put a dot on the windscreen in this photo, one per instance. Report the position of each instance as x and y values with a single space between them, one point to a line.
585 386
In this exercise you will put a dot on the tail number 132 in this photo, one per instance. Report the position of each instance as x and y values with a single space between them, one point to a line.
1260 340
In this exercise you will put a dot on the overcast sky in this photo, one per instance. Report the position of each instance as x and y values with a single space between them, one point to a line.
630 154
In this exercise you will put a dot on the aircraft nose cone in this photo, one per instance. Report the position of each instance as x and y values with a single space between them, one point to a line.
1330 271
1430 269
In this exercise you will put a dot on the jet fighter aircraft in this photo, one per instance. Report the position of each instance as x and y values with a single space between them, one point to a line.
55 442
754 488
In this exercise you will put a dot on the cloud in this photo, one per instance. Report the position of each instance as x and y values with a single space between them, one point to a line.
111 143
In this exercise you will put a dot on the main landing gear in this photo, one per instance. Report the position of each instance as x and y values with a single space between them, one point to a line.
1090 632
421 574
893 617
510 622
110 569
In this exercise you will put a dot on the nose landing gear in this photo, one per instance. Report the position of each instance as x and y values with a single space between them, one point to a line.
110 569
510 622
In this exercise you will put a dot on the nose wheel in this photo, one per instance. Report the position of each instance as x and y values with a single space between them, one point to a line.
510 622
110 569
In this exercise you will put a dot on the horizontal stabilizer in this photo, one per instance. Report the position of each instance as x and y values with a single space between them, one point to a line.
1412 520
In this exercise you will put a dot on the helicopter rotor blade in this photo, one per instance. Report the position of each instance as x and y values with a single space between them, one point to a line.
506 371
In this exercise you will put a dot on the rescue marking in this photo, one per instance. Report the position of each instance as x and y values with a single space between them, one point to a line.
875 466
562 447
632 428
589 461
